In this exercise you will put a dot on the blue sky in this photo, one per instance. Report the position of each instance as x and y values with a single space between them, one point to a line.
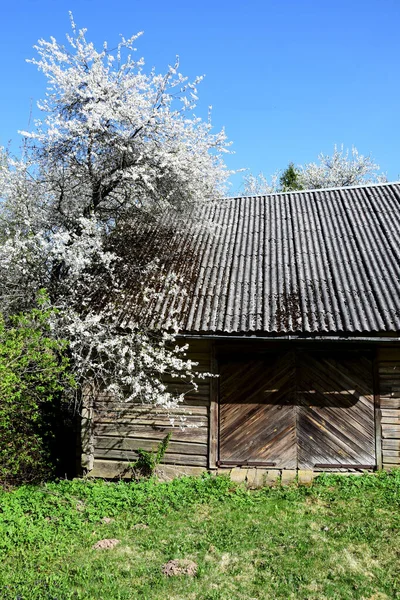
286 78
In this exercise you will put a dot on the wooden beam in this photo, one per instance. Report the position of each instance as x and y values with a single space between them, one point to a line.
169 458
112 469
87 456
378 413
213 413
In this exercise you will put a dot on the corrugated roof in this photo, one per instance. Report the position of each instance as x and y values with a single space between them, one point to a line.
308 262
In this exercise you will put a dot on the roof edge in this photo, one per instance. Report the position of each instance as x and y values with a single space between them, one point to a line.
394 339
330 189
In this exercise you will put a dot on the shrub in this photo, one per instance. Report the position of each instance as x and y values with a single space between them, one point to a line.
33 374
149 460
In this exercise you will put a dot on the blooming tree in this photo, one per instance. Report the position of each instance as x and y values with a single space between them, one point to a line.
117 146
258 185
341 169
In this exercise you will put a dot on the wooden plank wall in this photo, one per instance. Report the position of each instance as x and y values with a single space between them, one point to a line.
117 429
112 431
388 368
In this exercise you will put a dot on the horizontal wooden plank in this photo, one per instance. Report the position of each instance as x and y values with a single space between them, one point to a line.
389 362
174 386
390 420
148 418
189 400
177 387
389 402
389 444
195 400
193 421
191 434
200 356
391 396
391 453
387 467
389 384
197 345
388 353
134 410
112 469
169 458
391 460
149 444
390 412
391 431
201 373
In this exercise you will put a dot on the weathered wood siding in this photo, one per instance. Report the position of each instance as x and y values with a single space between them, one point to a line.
298 409
113 430
336 410
257 411
388 371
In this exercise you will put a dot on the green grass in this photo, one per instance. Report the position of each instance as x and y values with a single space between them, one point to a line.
338 539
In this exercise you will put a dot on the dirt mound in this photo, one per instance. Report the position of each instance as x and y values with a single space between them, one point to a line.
105 544
140 526
180 567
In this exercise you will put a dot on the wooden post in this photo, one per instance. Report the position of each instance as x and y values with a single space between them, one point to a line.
377 403
87 457
213 414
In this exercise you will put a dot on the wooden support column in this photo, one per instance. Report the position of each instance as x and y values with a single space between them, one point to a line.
213 413
87 456
377 403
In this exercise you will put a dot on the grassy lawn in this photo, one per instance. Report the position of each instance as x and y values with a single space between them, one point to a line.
338 539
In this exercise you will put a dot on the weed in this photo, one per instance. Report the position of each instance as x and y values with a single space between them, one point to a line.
149 460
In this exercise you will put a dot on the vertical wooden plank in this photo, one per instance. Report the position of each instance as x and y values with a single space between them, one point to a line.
213 424
378 412
87 456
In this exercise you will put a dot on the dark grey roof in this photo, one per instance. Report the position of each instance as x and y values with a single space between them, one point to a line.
315 262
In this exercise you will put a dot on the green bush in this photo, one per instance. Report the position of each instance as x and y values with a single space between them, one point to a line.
149 460
33 373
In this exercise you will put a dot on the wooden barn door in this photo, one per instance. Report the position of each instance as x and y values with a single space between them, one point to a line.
257 412
306 410
336 413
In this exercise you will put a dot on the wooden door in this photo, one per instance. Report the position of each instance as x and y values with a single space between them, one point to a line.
257 411
306 410
336 413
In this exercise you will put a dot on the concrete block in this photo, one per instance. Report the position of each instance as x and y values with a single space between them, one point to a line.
271 477
238 475
305 477
288 476
251 478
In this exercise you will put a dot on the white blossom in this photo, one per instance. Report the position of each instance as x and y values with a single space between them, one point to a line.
258 185
341 169
117 145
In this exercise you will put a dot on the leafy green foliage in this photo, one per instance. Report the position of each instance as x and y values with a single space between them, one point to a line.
338 539
148 460
290 180
33 373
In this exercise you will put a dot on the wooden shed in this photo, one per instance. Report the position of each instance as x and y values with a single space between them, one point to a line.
293 300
